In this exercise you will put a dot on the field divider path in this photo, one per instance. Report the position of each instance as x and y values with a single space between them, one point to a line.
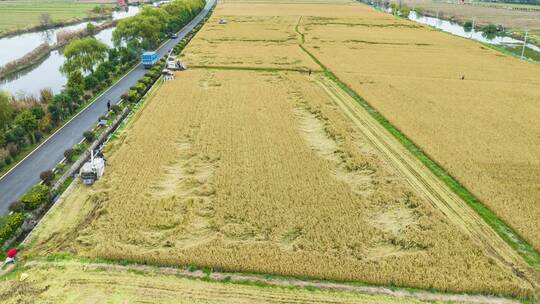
274 281
429 185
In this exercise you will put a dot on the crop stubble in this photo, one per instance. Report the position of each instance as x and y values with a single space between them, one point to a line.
76 282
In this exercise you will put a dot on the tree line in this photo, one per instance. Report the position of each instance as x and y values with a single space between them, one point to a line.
90 66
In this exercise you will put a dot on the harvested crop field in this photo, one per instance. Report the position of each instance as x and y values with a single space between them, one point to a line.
271 40
260 172
482 129
98 283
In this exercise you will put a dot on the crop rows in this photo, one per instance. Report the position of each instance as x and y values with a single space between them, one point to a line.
482 129
270 179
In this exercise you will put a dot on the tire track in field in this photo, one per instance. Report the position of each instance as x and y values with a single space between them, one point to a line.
277 281
429 185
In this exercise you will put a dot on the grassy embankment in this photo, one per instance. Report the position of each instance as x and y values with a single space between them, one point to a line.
22 15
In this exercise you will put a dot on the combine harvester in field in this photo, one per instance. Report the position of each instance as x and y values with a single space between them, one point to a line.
92 170
173 64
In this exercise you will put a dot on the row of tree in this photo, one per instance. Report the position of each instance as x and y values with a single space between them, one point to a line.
90 66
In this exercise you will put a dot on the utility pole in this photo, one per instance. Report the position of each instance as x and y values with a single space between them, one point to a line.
524 43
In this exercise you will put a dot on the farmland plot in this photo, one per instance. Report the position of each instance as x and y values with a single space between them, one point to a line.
482 129
249 41
261 172
103 283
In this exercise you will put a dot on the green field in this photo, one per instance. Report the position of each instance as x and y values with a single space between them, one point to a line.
21 14
508 5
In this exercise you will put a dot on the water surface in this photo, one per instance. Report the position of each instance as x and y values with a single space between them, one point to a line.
46 74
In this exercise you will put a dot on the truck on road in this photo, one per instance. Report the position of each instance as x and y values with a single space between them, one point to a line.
149 59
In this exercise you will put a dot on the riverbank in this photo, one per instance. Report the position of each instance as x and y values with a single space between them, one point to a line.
38 54
52 26
515 21
23 16
26 61
27 79
500 40
515 34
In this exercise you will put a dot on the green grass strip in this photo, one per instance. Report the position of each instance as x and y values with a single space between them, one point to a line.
529 254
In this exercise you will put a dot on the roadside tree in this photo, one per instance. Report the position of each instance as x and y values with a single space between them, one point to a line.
83 55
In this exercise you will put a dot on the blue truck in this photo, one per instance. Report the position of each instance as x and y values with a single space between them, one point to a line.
149 59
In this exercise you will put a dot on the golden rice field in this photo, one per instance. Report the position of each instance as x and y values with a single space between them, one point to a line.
483 129
272 44
246 163
251 171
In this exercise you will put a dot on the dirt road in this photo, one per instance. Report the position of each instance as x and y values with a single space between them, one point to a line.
430 186
251 279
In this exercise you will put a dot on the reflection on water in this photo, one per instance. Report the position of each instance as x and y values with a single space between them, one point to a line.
15 47
46 74
459 30
129 11
105 36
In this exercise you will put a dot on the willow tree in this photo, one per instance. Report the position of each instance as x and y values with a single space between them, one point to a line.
83 55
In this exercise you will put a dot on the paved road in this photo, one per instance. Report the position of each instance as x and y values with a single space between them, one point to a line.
26 173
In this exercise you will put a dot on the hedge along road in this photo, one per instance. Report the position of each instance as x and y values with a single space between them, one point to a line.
22 177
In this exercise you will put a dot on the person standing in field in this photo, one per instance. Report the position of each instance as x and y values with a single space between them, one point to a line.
10 259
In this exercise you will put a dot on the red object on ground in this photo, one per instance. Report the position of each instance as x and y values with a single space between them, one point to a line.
12 253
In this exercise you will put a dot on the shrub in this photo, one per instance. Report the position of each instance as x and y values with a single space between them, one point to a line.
89 136
141 88
151 74
489 29
38 195
38 135
125 96
90 82
69 154
116 109
404 11
47 177
147 80
14 221
78 148
133 95
8 160
13 150
16 206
